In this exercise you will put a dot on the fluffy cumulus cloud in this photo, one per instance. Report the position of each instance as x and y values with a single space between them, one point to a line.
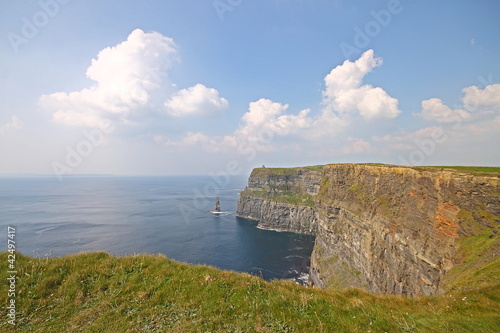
14 124
130 78
477 104
345 93
196 101
487 99
433 109
125 76
266 119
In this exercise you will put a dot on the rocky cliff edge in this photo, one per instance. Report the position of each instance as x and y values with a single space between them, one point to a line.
387 229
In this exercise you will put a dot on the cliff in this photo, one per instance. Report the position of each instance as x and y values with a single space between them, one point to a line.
282 199
387 229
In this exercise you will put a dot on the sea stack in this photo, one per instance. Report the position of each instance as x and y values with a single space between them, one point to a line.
217 207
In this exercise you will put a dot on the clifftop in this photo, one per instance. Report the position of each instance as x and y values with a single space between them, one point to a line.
282 198
388 229
286 184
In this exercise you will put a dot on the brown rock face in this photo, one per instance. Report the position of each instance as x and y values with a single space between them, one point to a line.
281 199
386 229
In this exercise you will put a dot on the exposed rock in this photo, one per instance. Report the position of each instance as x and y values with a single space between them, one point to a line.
281 199
383 228
278 215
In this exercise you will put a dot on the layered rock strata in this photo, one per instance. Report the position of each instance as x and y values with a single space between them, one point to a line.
281 199
386 229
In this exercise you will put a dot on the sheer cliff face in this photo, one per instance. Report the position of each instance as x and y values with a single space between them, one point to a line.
394 229
281 199
386 229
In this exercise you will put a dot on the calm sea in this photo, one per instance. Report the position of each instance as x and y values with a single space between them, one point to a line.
160 214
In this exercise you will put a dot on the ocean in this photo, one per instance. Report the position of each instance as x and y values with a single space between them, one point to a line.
123 215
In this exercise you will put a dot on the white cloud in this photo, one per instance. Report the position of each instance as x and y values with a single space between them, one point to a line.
197 100
477 103
125 76
265 113
265 119
433 109
486 100
14 124
327 125
345 94
262 112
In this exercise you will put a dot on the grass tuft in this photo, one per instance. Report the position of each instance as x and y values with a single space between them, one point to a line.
96 292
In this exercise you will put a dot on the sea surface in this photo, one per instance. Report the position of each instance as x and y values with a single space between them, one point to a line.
124 215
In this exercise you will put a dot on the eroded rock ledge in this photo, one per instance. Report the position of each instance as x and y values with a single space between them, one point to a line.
282 199
387 229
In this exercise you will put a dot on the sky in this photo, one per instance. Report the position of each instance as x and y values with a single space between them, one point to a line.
222 86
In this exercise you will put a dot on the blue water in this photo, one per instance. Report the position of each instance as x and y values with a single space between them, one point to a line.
161 214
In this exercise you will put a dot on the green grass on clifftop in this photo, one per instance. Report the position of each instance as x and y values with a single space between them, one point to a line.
96 292
473 169
286 171
477 170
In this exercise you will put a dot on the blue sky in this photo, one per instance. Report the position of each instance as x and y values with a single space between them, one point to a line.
222 86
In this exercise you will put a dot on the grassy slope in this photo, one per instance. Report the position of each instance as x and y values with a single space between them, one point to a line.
95 292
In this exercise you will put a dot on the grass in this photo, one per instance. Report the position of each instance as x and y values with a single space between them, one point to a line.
476 170
253 192
473 169
96 292
356 187
286 171
479 264
283 192
296 199
286 196
317 168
